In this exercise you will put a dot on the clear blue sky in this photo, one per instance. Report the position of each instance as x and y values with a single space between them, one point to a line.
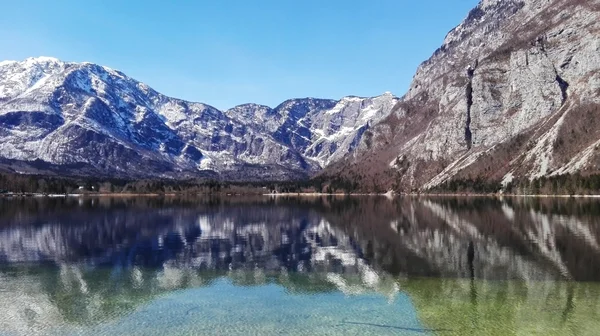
224 52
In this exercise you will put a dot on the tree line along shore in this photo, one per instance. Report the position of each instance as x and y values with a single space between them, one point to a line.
19 184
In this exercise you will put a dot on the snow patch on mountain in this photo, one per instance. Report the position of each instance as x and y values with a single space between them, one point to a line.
64 112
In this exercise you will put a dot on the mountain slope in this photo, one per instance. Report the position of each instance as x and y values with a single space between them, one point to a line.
81 118
514 91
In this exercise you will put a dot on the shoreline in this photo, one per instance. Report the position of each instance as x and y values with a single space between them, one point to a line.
506 195
313 194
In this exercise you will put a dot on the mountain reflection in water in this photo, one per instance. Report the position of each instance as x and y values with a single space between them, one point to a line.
450 262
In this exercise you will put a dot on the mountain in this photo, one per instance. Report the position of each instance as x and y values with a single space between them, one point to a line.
85 119
513 92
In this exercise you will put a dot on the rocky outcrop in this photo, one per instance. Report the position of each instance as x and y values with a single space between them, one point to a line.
532 68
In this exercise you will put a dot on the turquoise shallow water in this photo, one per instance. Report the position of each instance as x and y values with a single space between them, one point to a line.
80 301
324 266
226 309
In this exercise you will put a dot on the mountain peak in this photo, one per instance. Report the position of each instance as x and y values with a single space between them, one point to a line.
30 61
43 59
250 105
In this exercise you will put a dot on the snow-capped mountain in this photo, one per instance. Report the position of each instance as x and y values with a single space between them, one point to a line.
85 118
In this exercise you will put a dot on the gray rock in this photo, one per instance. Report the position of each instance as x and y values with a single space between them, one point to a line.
511 69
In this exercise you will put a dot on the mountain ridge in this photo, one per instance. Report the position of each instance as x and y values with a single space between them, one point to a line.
53 111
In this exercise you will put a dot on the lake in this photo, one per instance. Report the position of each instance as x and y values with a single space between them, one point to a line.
299 266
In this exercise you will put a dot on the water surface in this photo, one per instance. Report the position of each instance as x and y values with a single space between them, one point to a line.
299 266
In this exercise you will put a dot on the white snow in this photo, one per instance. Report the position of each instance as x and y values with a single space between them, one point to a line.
42 59
113 72
39 83
2 63
206 163
174 113
369 113
508 178
339 107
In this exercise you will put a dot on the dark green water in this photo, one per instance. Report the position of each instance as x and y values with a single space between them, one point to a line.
299 266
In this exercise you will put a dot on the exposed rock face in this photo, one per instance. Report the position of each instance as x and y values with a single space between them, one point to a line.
502 97
87 119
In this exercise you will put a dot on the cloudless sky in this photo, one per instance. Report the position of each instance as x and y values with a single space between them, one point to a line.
226 52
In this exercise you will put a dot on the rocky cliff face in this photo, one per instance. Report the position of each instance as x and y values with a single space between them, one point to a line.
83 118
514 91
